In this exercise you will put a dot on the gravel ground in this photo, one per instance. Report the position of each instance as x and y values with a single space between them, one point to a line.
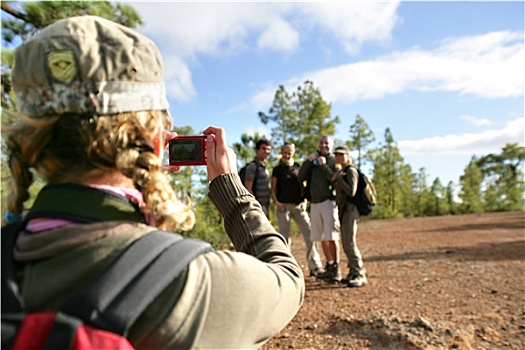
452 282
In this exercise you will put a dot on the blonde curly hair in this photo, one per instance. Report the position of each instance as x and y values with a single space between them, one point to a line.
62 147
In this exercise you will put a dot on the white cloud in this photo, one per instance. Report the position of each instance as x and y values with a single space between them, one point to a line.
475 120
263 98
353 23
261 131
487 66
177 75
279 36
190 30
485 142
187 29
218 27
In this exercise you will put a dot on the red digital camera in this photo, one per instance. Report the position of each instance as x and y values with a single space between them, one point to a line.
187 150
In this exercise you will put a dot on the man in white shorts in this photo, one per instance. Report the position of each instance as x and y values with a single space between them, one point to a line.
318 171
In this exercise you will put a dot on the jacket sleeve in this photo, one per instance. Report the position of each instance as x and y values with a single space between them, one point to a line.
328 171
257 290
244 221
247 296
235 300
305 170
349 186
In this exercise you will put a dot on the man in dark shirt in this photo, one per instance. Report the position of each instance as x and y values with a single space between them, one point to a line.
257 168
287 194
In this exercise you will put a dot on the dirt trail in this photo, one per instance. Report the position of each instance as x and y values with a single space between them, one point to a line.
454 282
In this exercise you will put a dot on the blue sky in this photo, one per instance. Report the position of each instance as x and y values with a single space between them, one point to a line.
446 77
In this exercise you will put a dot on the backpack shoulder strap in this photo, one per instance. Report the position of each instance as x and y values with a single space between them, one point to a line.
345 170
129 285
360 184
256 168
362 181
254 183
11 299
118 297
359 173
256 171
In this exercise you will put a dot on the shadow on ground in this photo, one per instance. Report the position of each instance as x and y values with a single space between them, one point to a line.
511 250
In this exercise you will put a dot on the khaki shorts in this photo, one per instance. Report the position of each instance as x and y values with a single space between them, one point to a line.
324 221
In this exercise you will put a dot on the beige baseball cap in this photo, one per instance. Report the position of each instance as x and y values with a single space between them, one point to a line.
341 150
91 65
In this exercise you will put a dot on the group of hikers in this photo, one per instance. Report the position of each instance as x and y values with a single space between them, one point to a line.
329 182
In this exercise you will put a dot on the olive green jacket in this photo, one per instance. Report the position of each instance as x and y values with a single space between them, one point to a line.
346 187
319 178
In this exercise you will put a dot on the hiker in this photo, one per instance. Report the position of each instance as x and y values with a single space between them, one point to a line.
93 125
257 177
318 170
346 181
288 196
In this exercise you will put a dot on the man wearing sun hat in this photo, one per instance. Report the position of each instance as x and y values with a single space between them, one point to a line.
346 181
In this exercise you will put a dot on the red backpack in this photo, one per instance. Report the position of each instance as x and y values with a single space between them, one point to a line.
101 315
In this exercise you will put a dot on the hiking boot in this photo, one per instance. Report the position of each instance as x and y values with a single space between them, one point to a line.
347 278
337 274
325 274
357 281
332 273
317 271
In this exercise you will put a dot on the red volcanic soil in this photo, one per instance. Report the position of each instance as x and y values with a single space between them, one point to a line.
451 282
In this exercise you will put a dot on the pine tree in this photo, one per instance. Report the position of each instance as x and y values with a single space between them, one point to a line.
470 192
387 167
301 118
360 137
503 174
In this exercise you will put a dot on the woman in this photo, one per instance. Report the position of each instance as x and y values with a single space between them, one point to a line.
94 124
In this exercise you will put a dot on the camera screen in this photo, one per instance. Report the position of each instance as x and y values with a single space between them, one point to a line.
186 150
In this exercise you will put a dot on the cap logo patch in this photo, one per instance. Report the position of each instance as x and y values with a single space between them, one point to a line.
62 65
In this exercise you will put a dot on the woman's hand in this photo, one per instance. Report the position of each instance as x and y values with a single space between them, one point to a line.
221 158
166 137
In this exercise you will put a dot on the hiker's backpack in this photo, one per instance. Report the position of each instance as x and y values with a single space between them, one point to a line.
242 175
100 316
365 197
